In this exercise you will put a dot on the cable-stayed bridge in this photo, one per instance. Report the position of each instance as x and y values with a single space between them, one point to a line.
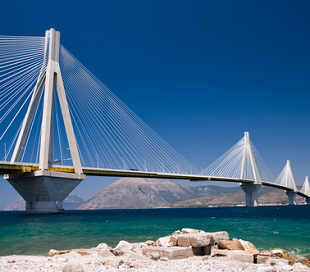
59 123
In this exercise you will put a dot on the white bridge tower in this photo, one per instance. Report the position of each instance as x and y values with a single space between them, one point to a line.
45 190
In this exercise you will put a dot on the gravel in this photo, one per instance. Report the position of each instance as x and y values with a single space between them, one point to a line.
95 263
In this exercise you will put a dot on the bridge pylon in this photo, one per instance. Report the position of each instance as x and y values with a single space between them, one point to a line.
45 190
250 189
306 190
286 179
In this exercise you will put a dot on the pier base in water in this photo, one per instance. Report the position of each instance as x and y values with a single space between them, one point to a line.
291 197
308 201
250 190
45 190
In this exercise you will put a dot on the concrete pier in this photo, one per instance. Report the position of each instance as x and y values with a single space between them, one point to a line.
250 190
308 201
45 190
291 197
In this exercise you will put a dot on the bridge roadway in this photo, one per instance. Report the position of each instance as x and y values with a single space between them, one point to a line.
20 168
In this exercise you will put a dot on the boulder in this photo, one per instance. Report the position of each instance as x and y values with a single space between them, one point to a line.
261 259
278 252
240 255
184 241
54 252
187 230
113 262
83 252
231 245
122 248
163 241
300 267
305 261
133 255
102 246
137 247
275 261
71 255
217 236
106 253
246 245
72 267
239 245
174 240
149 242
265 253
153 255
252 251
201 240
219 252
169 252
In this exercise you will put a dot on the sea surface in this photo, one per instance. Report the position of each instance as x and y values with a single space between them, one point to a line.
268 227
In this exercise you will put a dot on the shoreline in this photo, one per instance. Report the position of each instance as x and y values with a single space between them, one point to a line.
187 250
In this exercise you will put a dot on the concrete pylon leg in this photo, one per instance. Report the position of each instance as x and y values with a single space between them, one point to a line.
250 190
291 197
308 201
44 190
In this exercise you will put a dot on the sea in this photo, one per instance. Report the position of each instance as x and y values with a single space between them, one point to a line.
267 227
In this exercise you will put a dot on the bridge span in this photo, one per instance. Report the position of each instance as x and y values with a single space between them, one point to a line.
20 171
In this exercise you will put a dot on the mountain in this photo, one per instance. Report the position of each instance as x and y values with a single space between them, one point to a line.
138 193
266 195
70 200
135 193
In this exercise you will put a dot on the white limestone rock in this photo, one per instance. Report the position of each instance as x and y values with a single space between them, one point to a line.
123 247
247 245
105 253
300 267
187 230
69 256
137 247
184 241
102 246
169 252
163 241
240 255
113 262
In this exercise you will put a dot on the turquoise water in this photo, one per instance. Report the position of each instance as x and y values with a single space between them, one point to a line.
287 227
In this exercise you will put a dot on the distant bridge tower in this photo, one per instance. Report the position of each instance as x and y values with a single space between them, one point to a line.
249 168
45 190
306 190
286 179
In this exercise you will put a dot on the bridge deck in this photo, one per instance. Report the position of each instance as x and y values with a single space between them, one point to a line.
20 168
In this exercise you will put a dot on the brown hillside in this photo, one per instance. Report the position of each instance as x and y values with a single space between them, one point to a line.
128 193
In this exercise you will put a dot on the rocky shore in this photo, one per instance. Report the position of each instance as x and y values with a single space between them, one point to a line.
187 250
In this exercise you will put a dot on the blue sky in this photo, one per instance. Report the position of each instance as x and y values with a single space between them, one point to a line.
200 73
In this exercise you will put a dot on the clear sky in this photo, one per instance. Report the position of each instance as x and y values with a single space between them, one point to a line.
200 73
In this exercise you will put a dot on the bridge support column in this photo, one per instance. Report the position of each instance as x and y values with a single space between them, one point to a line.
291 197
250 190
308 201
44 190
